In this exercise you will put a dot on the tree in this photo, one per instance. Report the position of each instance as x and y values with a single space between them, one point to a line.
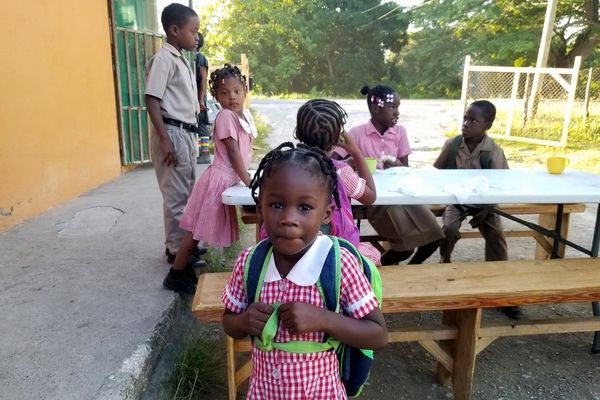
295 46
493 32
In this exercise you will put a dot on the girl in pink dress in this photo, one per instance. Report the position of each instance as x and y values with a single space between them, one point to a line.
293 189
320 123
205 217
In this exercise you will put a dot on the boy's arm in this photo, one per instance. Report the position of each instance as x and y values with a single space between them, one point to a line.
166 146
442 160
498 159
202 89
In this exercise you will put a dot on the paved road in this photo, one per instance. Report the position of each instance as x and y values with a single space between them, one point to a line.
425 120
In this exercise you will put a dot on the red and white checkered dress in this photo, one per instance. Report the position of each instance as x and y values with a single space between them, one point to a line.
282 375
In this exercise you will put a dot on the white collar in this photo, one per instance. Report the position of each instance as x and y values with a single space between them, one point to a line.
248 123
307 270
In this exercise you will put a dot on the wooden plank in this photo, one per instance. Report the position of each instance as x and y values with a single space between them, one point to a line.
444 375
514 209
231 384
438 353
207 305
423 332
243 345
468 322
243 373
539 327
484 342
455 286
489 284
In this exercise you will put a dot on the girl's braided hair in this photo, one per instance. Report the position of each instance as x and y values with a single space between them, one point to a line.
310 159
218 76
379 95
319 123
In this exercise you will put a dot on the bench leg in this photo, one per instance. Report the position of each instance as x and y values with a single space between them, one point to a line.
463 351
444 374
231 384
468 322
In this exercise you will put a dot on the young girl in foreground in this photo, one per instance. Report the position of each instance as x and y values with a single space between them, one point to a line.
206 217
294 199
406 227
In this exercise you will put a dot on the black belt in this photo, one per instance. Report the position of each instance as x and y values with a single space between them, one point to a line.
182 125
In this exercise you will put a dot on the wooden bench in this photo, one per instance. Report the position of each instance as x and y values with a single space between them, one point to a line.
547 217
461 291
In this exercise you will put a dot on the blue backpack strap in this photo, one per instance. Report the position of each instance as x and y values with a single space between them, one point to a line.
255 269
329 279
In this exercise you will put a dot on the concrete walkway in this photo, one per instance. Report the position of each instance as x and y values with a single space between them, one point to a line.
81 299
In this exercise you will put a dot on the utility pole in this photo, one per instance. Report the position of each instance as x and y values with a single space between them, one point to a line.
544 50
542 58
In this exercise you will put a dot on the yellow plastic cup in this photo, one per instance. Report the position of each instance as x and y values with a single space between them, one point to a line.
556 164
371 163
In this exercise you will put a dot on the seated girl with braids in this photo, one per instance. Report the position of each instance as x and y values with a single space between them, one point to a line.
320 123
293 188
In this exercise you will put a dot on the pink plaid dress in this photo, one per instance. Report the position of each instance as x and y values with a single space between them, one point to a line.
282 375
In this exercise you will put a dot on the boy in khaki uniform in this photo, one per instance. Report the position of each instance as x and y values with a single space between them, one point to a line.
478 118
172 102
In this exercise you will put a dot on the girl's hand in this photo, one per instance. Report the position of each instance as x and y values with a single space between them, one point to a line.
299 317
348 143
390 161
256 317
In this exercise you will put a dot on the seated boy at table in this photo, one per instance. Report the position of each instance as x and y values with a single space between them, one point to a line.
474 149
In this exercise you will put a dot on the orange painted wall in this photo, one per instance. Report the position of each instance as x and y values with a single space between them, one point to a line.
58 118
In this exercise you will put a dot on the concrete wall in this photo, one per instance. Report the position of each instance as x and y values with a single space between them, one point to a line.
58 119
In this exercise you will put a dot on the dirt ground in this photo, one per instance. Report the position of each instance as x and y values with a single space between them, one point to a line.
511 368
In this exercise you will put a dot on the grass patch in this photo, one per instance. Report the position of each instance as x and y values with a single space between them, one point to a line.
583 145
199 370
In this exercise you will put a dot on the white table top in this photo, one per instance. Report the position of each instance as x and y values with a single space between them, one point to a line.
504 186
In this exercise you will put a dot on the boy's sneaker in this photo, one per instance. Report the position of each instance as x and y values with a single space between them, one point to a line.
512 312
183 285
199 251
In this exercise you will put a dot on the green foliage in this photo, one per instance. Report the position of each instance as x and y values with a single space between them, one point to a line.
293 46
492 32
333 47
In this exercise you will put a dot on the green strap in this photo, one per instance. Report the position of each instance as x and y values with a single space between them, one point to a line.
484 156
266 343
453 152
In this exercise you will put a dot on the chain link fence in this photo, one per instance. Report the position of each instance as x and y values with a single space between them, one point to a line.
538 105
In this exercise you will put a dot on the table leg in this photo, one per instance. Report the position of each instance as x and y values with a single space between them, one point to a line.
596 344
594 253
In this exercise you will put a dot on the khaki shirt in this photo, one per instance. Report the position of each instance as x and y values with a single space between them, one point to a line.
470 160
170 78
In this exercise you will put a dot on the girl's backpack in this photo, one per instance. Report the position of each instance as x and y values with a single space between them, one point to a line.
355 364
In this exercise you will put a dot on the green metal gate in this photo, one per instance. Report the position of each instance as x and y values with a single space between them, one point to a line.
135 38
